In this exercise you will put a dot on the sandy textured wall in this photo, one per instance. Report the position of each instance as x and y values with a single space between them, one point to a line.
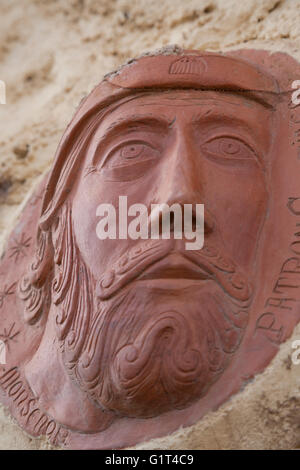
52 53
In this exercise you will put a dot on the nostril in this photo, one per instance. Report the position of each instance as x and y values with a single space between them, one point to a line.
209 223
207 228
163 219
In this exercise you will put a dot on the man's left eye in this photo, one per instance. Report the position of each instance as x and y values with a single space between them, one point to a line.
228 148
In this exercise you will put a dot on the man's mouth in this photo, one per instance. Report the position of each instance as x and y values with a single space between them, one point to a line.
167 263
174 266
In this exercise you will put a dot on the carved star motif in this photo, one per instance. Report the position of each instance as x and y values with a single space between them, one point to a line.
19 249
9 335
7 290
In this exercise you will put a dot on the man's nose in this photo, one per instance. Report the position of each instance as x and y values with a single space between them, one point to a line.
182 181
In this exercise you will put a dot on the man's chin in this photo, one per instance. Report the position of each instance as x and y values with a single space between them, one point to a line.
164 351
159 370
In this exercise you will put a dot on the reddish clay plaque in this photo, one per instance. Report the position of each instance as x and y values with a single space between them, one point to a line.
110 342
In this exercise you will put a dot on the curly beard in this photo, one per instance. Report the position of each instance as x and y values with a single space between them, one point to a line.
152 351
145 350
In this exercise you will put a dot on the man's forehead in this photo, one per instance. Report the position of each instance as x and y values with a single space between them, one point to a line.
163 108
163 104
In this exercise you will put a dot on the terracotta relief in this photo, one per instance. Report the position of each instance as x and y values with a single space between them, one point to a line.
115 341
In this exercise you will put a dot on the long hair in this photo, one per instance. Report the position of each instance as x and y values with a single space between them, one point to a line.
37 286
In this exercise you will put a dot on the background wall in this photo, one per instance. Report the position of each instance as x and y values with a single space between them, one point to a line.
52 53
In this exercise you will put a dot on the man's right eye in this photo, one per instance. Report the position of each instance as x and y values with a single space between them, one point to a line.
129 161
130 152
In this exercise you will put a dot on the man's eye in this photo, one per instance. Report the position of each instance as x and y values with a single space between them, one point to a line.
129 153
228 149
132 151
129 161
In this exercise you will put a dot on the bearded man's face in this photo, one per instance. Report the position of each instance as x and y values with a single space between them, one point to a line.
167 320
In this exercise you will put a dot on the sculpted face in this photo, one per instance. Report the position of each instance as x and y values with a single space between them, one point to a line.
173 147
143 332
178 147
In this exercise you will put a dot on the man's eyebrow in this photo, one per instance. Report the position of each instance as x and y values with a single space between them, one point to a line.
265 99
130 123
225 121
248 98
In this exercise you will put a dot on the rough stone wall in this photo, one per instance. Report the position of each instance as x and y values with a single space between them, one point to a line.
52 53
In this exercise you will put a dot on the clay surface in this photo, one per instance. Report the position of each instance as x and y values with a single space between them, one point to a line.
142 337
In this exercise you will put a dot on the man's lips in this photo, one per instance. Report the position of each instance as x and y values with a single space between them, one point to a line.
174 266
154 260
166 260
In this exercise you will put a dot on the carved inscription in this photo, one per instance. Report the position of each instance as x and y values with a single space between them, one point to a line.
285 289
27 407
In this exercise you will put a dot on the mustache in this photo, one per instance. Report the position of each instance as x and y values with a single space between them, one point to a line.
216 266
